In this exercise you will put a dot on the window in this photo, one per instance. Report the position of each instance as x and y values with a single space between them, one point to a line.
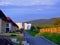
7 24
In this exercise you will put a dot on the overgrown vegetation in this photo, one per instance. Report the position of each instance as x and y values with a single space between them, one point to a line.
44 26
51 36
33 33
55 23
55 37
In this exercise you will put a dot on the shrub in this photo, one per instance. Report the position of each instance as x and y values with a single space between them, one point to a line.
13 35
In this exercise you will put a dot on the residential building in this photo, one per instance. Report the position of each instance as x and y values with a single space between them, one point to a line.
20 25
2 22
6 23
27 26
10 25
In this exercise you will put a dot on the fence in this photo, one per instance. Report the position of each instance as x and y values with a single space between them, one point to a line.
52 30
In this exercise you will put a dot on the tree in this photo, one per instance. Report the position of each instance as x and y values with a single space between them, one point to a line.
32 28
38 27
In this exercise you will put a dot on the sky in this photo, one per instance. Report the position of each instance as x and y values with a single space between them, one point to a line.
27 10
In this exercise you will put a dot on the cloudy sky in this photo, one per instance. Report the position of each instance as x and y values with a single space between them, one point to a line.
26 10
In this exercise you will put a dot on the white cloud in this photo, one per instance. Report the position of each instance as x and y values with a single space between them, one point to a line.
28 2
5 3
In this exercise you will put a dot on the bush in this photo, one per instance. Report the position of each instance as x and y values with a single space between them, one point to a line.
33 33
13 35
32 28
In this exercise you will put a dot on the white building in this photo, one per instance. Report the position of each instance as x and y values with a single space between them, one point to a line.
27 26
19 25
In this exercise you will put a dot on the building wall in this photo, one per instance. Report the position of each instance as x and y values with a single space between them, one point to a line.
8 25
16 28
25 26
0 25
28 26
19 25
3 26
13 28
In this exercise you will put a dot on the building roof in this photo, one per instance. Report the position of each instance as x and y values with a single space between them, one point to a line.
11 21
2 16
8 19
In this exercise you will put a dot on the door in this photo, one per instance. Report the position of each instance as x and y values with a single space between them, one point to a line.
7 30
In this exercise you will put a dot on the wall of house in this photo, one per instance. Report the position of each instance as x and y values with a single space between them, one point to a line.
25 26
3 26
0 25
13 27
19 25
16 28
8 25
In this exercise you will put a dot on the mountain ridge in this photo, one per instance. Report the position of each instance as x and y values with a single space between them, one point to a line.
41 22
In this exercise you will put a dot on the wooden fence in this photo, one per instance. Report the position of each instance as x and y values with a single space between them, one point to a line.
52 30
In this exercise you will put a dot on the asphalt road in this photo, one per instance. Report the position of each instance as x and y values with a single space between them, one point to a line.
37 40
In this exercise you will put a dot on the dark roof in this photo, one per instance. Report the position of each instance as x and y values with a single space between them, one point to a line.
2 16
10 20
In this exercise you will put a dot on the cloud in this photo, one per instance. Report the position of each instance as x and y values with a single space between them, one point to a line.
5 3
29 2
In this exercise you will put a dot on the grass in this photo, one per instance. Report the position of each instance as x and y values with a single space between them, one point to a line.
33 33
18 43
54 37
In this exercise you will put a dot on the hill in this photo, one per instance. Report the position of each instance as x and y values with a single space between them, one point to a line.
41 22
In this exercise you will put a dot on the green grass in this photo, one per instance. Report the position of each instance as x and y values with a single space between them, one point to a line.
54 37
33 33
18 43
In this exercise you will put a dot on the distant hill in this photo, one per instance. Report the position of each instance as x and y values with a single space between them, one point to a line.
41 22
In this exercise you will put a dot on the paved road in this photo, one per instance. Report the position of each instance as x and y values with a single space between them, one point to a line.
37 40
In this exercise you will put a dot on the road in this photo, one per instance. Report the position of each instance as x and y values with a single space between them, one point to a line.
37 40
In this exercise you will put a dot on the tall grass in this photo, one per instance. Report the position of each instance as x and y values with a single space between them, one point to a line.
54 37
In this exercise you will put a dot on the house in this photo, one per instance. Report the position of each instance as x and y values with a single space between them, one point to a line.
15 26
2 22
6 23
27 26
20 25
10 25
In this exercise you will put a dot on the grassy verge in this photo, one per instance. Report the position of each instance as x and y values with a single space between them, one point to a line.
18 43
51 36
33 33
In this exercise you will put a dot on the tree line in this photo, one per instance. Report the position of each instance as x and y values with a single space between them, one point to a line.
56 23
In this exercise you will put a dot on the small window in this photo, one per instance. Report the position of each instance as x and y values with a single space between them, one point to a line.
7 24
